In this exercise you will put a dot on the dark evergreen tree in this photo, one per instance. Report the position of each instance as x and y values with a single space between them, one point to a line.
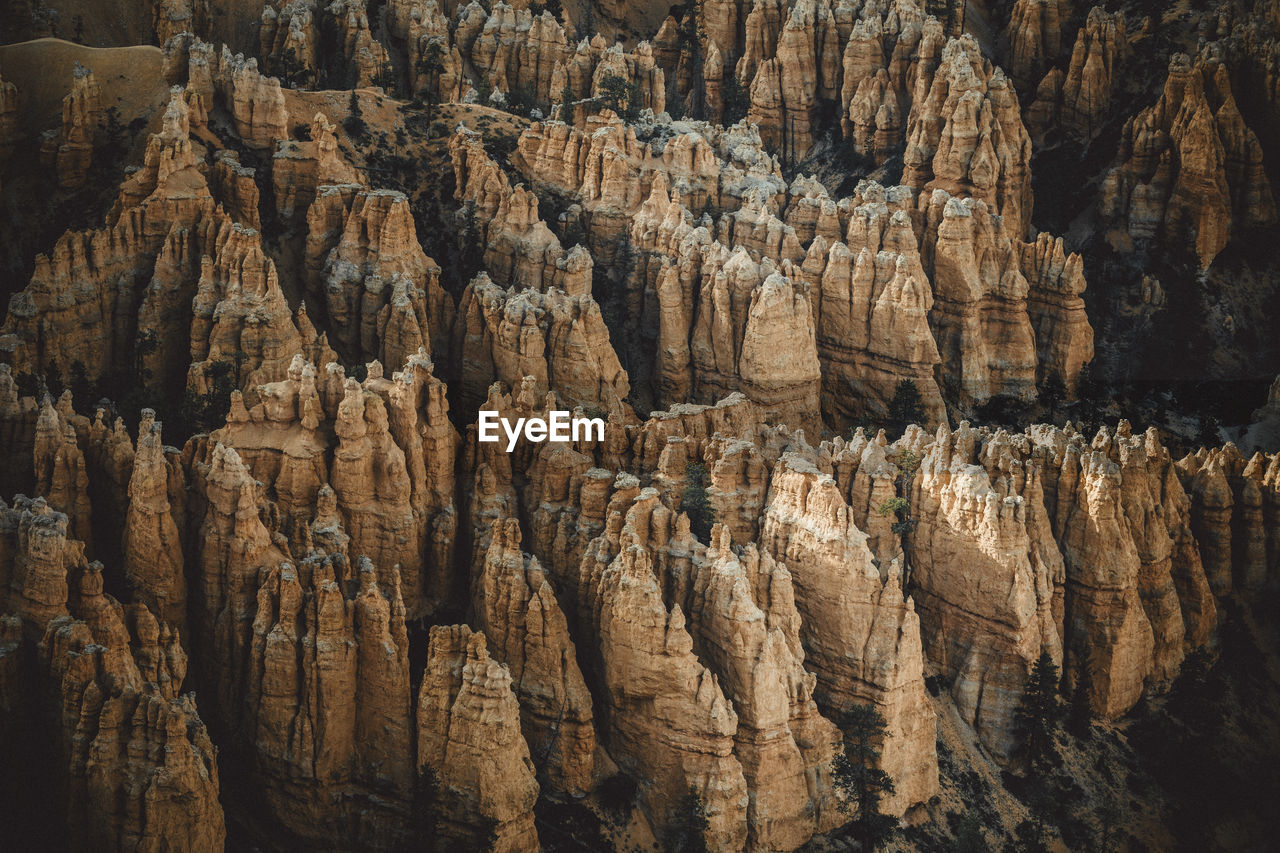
1033 833
82 390
969 836
354 122
736 99
1052 394
906 408
1080 715
621 97
386 78
689 38
1210 434
431 64
1039 713
289 69
1090 392
857 775
696 503
567 101
690 832
426 797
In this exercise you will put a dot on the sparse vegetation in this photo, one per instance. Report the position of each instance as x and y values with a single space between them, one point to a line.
1039 713
354 122
622 97
858 777
906 408
695 501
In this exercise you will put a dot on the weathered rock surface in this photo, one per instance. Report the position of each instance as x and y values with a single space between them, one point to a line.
1077 100
965 135
140 769
9 123
1189 171
161 221
70 152
384 449
152 546
377 291
558 339
469 738
519 615
860 635
300 168
669 719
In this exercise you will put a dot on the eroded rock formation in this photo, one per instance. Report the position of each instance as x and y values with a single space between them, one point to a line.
1189 171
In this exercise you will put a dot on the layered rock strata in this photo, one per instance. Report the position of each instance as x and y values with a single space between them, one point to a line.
1189 171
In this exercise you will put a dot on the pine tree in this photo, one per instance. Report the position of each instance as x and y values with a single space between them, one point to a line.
857 775
1080 716
290 69
689 38
969 836
616 95
696 503
906 407
1052 394
354 122
431 64
386 78
690 835
1040 711
737 101
82 390
567 100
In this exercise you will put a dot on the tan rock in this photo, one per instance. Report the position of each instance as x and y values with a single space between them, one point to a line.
160 223
71 153
151 546
784 744
255 102
386 450
142 770
380 293
299 169
557 338
965 135
871 307
469 738
35 558
1187 171
1064 337
240 316
519 614
861 637
1035 40
61 471
1100 49
234 185
980 320
288 37
669 720
174 17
